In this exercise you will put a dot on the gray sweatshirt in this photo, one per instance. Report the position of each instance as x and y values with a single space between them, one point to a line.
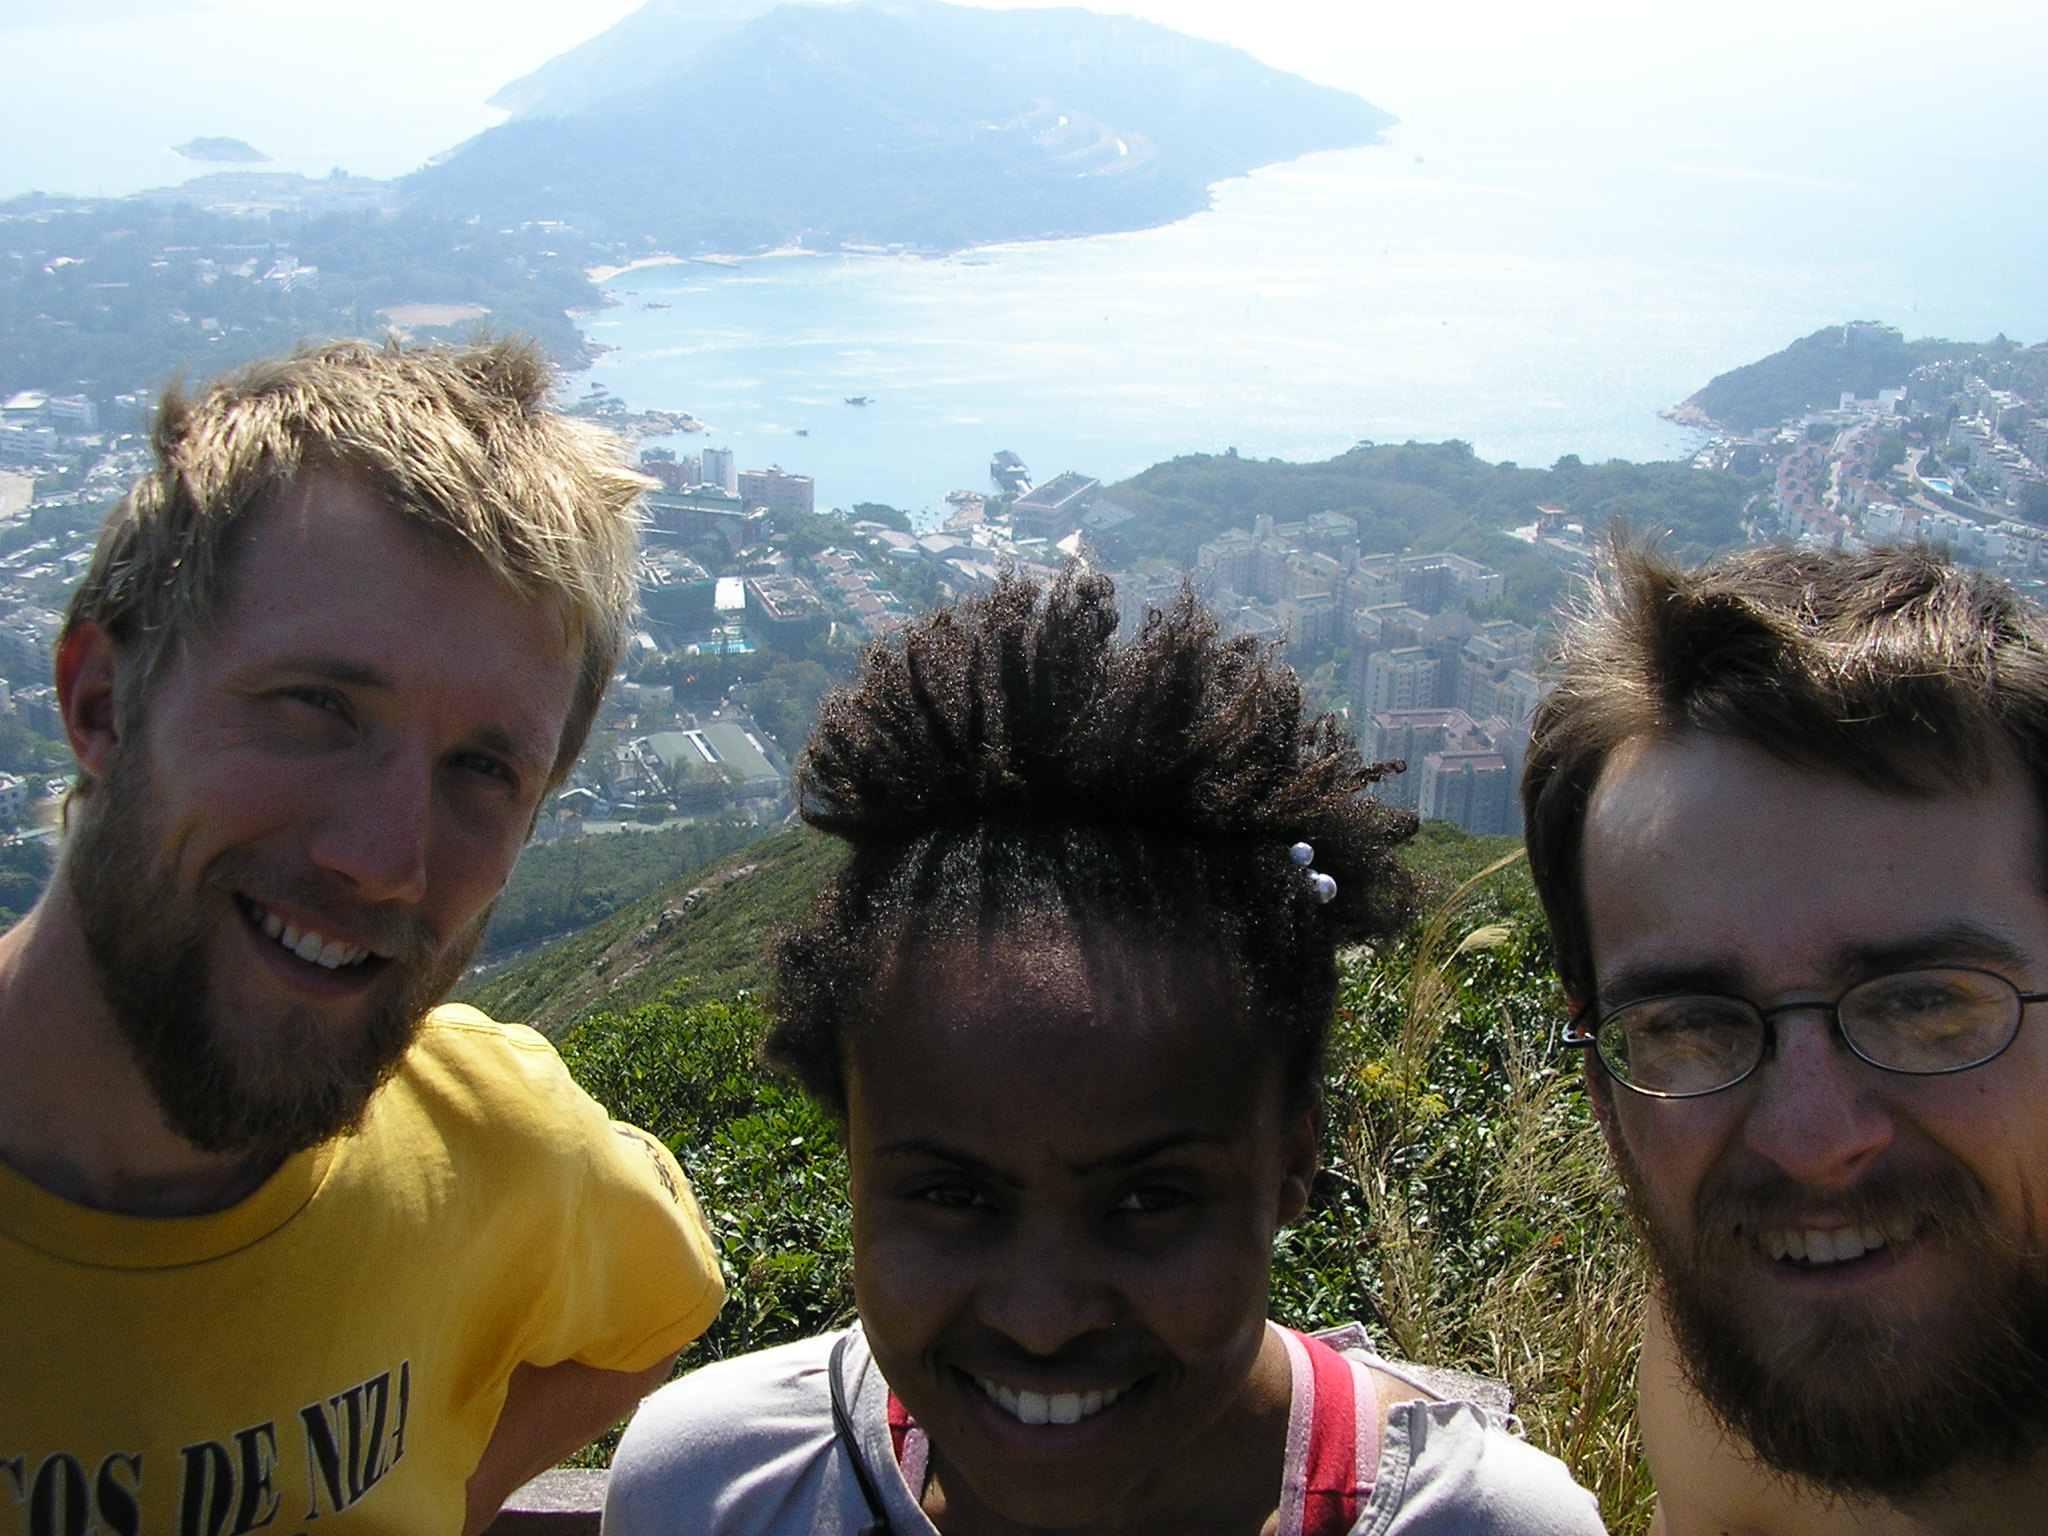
746 1447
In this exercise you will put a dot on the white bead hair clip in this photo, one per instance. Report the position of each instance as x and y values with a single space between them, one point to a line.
1325 887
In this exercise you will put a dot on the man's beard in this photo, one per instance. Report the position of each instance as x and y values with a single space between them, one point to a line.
263 1084
1858 1399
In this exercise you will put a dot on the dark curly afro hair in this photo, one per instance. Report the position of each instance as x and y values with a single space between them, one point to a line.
1005 762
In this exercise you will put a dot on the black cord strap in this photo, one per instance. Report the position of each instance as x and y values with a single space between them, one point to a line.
842 1427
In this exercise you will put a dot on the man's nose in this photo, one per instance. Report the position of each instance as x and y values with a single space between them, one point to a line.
374 835
1044 1294
1815 1114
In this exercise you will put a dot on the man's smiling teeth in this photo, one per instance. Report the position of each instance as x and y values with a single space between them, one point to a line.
1812 1245
308 945
1043 1408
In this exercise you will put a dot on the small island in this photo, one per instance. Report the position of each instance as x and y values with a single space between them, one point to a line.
220 151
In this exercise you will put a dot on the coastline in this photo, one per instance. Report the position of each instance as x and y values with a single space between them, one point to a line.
603 275
606 274
1687 414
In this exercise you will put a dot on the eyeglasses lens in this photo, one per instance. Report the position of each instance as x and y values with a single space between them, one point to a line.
1930 1021
1912 1021
1682 1045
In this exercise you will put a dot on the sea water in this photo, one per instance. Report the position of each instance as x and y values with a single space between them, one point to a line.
1534 295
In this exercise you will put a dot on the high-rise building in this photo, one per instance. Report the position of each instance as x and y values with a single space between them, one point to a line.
722 470
776 490
1408 736
1400 679
1473 789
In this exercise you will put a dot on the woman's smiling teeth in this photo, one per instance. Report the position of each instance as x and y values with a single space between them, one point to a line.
1046 1408
331 954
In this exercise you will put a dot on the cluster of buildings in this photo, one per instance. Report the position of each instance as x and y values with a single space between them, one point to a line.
59 469
1035 531
1957 456
52 437
1447 693
1432 683
683 765
713 476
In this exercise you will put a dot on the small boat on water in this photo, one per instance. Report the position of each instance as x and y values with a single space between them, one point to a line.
859 400
656 304
803 431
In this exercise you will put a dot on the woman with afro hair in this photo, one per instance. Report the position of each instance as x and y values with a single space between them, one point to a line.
1068 999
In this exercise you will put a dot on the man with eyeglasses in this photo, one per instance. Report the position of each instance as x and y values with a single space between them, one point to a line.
1785 813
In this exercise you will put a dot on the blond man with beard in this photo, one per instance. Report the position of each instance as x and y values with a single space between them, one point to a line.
281 1241
1786 815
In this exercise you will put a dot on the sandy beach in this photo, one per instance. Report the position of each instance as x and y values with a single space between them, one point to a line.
606 274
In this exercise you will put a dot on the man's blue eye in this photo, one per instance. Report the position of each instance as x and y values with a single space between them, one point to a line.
489 766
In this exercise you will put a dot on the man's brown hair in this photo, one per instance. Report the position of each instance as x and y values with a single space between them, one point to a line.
460 442
1894 668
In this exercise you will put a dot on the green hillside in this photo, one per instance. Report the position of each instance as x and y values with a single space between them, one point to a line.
563 887
111 295
704 936
1424 497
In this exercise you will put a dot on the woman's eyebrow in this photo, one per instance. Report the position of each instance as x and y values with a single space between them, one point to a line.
926 1146
1144 1150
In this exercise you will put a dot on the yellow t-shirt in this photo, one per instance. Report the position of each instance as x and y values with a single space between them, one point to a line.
331 1354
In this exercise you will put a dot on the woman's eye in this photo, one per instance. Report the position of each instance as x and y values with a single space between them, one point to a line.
952 1197
1151 1199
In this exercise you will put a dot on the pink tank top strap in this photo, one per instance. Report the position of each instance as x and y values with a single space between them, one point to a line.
1333 1440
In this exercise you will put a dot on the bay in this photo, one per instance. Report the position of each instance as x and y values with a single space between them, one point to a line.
1534 289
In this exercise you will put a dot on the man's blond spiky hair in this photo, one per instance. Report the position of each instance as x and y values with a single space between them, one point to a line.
460 442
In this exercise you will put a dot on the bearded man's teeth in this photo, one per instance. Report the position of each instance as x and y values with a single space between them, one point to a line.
1046 1408
1816 1246
329 954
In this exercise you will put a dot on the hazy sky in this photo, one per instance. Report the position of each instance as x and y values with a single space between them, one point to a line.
93 91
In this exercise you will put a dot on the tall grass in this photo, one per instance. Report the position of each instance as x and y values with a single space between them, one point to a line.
1468 1210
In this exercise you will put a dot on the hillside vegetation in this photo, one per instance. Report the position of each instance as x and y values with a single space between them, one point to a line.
109 295
702 937
1424 497
1466 1212
563 887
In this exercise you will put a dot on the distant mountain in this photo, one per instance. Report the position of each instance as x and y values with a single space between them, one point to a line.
656 40
723 125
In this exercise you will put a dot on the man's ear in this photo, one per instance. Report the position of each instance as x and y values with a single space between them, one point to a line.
1302 1154
88 671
